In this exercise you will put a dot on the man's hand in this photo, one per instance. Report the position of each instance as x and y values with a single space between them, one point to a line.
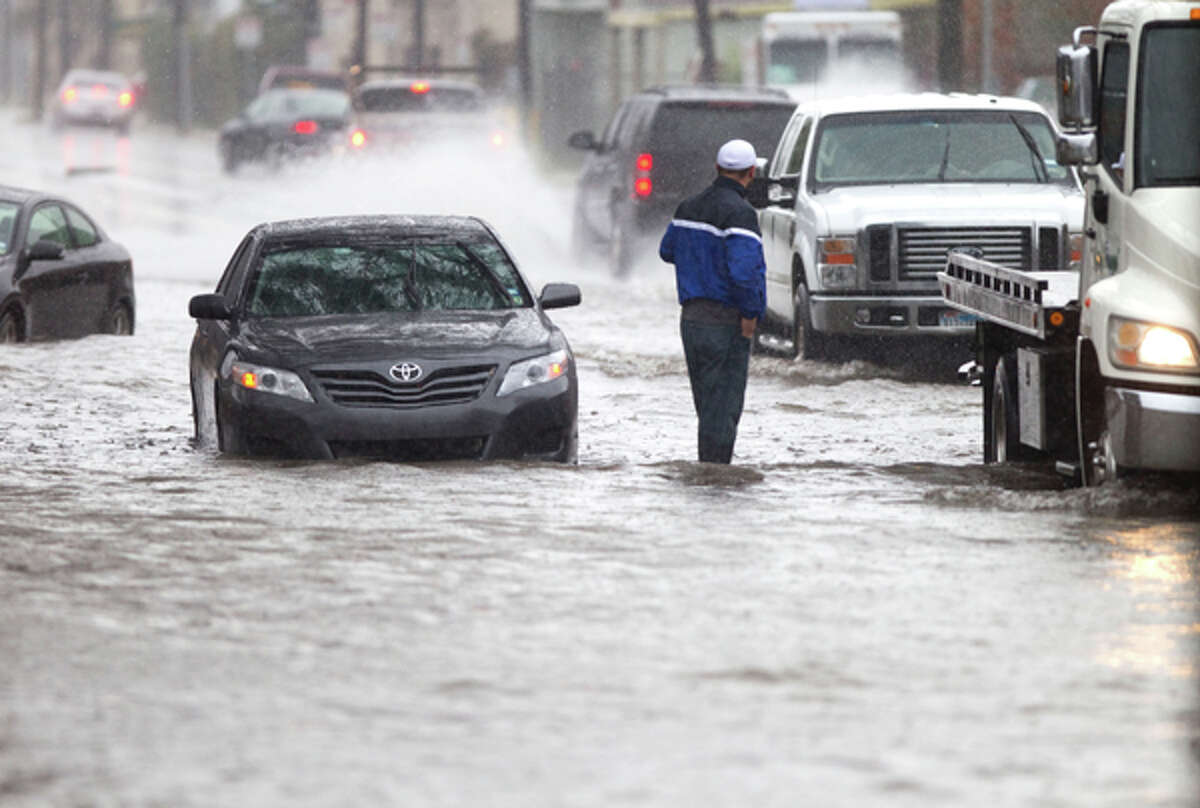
748 328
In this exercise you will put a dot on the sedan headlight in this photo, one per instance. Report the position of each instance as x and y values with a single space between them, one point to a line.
266 379
1135 344
530 372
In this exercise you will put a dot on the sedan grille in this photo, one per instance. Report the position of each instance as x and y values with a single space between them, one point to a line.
922 252
366 388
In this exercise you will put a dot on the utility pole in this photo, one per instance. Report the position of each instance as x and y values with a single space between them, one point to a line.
39 58
360 35
950 51
418 46
6 47
64 38
183 67
525 58
708 62
104 55
987 77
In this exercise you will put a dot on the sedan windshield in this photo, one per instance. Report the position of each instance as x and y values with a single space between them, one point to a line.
935 147
8 216
309 280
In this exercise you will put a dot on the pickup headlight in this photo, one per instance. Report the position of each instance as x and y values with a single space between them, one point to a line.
265 379
837 266
1148 346
539 370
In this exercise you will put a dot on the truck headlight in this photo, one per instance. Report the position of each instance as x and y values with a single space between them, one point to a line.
265 379
1134 344
539 370
837 264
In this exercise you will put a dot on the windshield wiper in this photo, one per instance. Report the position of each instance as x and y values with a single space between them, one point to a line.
488 272
1039 162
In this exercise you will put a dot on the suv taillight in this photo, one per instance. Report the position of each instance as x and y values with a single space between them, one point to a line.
643 186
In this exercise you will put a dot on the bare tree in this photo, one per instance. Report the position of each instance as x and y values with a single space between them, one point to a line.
708 62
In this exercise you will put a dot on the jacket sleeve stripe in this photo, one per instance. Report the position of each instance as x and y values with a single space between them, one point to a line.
708 228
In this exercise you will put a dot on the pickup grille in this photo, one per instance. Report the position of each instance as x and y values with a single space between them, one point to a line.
922 251
366 388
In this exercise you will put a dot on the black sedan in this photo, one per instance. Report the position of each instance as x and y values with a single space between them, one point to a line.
60 275
281 124
399 337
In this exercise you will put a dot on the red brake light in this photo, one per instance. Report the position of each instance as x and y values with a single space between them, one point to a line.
305 127
645 162
419 87
125 99
358 139
642 186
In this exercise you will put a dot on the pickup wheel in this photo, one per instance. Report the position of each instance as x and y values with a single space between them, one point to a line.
806 342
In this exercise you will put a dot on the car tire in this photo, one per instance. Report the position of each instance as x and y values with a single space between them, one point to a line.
807 343
119 321
229 439
11 327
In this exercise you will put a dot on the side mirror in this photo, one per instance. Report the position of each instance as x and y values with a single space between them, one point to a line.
583 140
1077 150
559 296
782 191
209 307
1075 70
45 250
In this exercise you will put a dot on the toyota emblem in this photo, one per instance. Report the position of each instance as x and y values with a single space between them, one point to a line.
406 372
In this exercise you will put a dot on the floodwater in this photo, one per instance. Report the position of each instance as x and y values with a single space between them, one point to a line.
857 613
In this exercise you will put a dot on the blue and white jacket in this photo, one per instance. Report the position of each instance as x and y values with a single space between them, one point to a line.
716 246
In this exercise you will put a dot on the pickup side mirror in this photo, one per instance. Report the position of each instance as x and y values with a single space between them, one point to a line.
1075 70
209 307
560 296
583 140
782 190
45 250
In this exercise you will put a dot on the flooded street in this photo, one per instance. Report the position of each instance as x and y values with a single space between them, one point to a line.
856 613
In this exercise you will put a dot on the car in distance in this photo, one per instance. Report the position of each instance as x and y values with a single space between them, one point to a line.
286 124
398 115
61 276
300 77
397 337
100 97
864 196
661 146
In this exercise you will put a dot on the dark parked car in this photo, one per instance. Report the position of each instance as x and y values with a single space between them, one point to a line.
60 275
401 114
281 124
400 337
100 97
659 147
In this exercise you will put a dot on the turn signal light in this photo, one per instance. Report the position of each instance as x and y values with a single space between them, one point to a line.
419 87
1196 14
305 127
70 94
125 99
248 380
358 139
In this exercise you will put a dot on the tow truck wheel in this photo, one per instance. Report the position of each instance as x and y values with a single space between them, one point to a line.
1006 424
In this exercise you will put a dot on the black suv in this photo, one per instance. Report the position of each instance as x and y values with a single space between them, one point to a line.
659 147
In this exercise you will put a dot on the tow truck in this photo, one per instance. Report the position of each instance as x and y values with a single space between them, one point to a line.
1098 369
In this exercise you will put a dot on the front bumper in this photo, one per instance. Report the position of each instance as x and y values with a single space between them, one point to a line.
889 316
1154 430
537 423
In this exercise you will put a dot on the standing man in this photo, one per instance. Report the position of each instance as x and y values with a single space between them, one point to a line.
716 246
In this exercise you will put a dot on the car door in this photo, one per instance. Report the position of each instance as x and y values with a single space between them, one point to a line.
779 217
53 289
100 269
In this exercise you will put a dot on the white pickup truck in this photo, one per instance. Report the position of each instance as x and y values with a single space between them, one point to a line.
1098 367
864 196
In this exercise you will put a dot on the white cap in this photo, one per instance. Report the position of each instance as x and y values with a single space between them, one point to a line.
736 155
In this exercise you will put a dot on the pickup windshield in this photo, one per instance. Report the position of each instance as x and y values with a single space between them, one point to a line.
937 146
1168 114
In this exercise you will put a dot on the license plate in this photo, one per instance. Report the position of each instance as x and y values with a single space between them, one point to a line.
953 318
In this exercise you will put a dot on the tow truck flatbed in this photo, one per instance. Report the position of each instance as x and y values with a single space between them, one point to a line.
1033 303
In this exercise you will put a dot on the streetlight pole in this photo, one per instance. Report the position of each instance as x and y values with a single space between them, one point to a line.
708 62
183 67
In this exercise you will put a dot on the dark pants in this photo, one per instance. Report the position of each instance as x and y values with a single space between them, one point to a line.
718 358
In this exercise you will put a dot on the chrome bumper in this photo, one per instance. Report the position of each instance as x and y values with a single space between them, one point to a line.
1159 431
889 316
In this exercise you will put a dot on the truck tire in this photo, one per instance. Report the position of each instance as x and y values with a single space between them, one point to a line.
806 342
1005 421
1097 461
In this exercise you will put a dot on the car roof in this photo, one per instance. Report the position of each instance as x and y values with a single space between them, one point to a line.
11 193
913 102
367 225
718 92
85 74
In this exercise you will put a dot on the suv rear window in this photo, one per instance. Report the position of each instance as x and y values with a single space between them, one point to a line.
419 97
685 135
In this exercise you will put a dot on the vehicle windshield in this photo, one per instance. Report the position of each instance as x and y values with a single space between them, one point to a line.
315 280
796 61
1168 115
946 146
311 103
419 97
8 217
